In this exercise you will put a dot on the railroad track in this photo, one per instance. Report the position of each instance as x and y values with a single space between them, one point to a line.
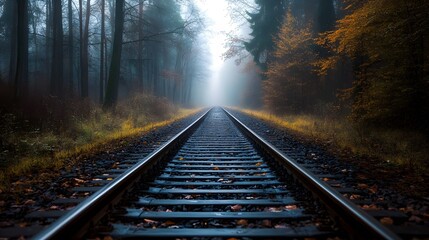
216 179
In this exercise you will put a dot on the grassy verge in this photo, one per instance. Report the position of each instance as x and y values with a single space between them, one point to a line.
32 150
408 149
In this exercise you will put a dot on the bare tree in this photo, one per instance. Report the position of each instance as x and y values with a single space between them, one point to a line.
115 65
57 57
21 74
102 46
84 53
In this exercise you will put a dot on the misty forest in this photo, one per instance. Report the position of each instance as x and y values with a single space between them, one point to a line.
80 77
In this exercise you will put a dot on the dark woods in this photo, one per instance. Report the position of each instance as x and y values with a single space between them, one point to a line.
365 59
60 57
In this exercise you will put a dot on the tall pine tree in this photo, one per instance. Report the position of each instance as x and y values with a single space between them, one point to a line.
265 25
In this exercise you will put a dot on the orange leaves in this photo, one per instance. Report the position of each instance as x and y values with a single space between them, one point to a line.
386 221
242 222
291 207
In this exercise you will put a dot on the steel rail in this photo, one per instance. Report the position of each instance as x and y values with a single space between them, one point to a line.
74 224
356 222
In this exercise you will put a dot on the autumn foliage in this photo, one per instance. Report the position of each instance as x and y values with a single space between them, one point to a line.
373 63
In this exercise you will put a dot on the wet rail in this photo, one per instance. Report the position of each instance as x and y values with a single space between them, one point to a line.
216 179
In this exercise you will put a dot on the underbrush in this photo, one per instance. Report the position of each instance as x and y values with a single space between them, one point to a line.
405 148
29 146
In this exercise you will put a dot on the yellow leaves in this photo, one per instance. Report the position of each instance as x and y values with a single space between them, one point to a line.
181 158
258 164
325 64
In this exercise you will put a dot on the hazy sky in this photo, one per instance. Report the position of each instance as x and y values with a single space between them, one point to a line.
218 23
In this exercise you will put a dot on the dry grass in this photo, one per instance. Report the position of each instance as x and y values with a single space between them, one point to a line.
40 150
409 149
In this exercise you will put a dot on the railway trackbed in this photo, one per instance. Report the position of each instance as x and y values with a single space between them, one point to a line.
215 179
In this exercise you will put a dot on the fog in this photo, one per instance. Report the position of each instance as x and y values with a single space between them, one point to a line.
225 83
170 49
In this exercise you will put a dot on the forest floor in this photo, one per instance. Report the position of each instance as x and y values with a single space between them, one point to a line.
383 154
28 146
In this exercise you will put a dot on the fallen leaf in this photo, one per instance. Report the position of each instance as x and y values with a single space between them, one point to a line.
258 164
23 224
236 207
169 223
371 206
354 196
109 179
216 168
281 225
373 189
386 221
291 207
266 223
274 209
78 180
149 221
242 222
228 181
29 202
181 158
416 219
362 186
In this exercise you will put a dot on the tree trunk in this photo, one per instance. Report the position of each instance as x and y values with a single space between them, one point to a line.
70 40
84 53
12 30
102 40
80 45
34 24
115 65
21 73
57 56
140 48
48 46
